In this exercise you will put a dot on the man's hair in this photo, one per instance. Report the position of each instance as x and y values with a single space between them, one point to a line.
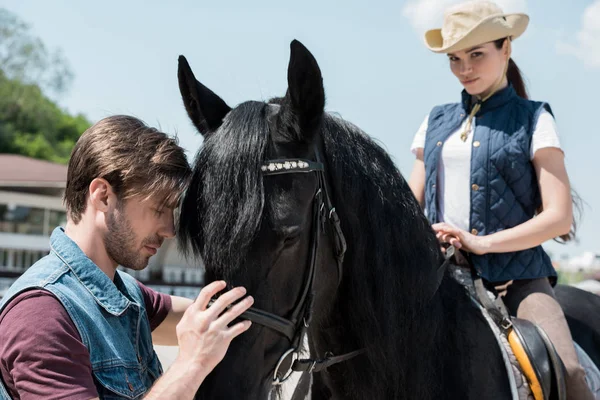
137 160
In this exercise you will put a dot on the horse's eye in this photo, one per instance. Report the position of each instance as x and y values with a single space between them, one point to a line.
290 240
290 235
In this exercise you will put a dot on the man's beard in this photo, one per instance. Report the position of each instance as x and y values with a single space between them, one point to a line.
120 242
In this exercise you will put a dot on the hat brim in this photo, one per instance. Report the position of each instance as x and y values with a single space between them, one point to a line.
488 29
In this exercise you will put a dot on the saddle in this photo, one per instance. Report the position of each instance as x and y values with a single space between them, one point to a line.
537 358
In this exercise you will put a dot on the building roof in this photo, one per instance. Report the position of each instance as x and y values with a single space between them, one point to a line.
17 170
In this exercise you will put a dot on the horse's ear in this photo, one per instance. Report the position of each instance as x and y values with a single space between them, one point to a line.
205 109
305 97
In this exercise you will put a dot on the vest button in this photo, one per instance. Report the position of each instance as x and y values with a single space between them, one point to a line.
433 186
474 231
475 187
476 143
438 144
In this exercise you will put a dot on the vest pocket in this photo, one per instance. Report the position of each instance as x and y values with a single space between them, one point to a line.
120 383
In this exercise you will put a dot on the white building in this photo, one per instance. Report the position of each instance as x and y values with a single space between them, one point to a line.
586 262
31 207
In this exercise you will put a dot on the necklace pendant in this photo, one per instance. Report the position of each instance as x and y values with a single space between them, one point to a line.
463 136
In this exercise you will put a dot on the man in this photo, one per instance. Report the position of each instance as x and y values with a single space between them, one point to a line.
74 327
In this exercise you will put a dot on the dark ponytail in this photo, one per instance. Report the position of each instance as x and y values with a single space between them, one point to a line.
515 78
513 74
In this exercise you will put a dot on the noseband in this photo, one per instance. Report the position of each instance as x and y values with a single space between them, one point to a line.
294 327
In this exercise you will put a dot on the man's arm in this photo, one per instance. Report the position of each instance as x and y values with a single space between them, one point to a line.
164 313
204 336
41 352
165 334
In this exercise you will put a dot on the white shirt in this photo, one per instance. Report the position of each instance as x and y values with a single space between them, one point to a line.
454 169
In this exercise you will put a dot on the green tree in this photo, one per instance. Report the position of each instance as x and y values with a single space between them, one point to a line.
24 57
30 122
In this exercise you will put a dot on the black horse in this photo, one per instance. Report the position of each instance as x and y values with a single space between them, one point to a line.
270 227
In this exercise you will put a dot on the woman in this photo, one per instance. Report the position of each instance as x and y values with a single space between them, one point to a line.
487 165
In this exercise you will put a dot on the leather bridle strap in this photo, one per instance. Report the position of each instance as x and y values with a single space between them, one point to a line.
304 304
319 365
330 214
268 320
271 321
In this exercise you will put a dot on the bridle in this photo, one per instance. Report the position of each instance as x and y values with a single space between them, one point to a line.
295 326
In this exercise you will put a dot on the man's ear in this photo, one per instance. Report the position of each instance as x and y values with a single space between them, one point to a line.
101 195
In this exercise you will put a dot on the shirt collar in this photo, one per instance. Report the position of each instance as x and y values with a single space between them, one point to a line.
498 99
108 294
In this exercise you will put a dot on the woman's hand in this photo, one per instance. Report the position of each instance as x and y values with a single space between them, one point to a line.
461 239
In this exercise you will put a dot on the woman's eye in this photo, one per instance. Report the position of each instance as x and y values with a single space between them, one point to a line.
476 54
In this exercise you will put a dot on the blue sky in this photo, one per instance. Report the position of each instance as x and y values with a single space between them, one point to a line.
376 70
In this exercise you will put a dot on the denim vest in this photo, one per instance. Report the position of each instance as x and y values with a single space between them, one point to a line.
109 316
504 187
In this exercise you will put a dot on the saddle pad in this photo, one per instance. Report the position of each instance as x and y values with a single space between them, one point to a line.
519 386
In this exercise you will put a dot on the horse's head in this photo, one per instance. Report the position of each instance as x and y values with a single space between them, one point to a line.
259 214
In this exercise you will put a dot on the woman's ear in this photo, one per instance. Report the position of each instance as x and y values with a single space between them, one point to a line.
507 49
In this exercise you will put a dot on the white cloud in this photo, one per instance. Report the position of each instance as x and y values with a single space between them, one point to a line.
425 14
586 43
428 14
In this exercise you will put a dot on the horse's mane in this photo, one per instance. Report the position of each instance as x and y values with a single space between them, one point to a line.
392 259
226 194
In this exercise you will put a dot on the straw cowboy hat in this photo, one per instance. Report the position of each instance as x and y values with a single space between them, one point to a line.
472 23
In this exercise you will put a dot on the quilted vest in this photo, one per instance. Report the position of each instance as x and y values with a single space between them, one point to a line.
504 187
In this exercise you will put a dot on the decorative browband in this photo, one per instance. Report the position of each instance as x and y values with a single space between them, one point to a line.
272 167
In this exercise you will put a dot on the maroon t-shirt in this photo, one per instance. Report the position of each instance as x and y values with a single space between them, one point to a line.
41 353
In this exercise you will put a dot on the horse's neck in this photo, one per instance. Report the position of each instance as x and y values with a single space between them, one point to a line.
462 360
474 356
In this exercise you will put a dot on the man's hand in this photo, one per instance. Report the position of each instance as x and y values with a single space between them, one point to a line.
204 333
204 336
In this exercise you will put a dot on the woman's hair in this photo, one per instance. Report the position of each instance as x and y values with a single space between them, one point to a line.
577 211
515 78
513 74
